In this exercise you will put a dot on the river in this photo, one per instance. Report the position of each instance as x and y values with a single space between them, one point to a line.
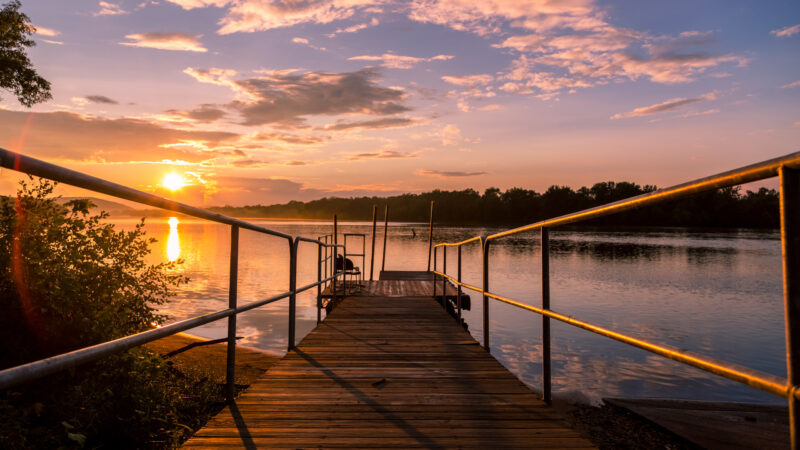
717 293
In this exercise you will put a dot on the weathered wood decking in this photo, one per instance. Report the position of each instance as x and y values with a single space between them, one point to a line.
388 368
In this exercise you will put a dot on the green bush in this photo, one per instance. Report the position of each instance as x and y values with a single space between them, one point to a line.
69 280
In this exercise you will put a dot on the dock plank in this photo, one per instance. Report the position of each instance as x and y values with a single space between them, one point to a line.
388 368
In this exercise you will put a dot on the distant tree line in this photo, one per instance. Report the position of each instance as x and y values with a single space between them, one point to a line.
727 207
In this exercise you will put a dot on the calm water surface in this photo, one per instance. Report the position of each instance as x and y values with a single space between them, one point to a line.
715 293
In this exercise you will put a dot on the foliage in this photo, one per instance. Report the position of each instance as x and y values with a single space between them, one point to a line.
721 208
70 280
16 71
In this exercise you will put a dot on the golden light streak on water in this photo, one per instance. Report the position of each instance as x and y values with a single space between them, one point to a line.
173 241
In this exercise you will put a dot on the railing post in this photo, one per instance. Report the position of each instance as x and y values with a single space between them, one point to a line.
458 295
372 253
232 293
335 254
485 267
444 279
319 280
434 269
430 238
790 243
546 373
385 236
292 288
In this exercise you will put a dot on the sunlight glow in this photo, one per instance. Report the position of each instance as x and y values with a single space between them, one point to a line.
173 182
173 242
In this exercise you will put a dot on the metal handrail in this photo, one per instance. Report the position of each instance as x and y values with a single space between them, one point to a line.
786 167
33 370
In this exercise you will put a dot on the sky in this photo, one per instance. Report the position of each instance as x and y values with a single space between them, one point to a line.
262 102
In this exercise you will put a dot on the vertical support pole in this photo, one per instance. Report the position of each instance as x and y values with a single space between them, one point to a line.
344 264
444 279
385 236
232 293
434 269
485 267
430 238
790 243
372 253
320 263
458 295
292 288
546 373
335 254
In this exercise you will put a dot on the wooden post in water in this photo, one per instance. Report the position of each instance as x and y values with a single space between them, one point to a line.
372 253
292 288
444 279
335 254
458 298
319 280
790 243
430 238
232 293
485 267
433 274
385 236
546 374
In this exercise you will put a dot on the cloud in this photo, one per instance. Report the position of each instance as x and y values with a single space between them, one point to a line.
469 80
388 122
259 15
393 61
285 98
306 42
385 154
288 138
102 99
191 4
72 136
167 41
786 31
205 113
448 173
793 84
450 135
109 9
667 106
49 32
50 41
355 28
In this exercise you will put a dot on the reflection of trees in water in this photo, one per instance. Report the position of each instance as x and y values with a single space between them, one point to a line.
618 251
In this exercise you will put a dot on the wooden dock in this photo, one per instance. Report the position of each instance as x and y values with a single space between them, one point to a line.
388 368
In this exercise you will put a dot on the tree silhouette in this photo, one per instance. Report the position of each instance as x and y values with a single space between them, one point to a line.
16 71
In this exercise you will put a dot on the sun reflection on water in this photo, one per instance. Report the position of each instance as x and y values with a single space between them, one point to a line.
173 241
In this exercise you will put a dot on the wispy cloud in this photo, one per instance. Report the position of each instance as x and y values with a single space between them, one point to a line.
385 154
307 43
667 106
49 32
205 113
469 80
793 84
260 15
393 61
356 28
167 41
109 9
786 31
388 122
449 173
102 99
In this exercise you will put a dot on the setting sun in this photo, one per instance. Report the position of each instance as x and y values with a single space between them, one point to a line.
173 181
